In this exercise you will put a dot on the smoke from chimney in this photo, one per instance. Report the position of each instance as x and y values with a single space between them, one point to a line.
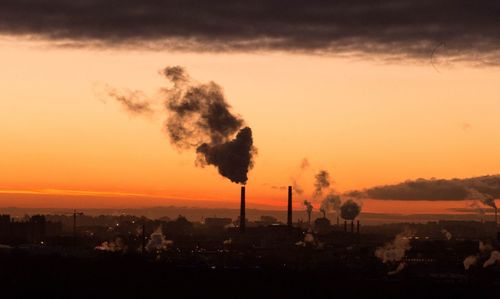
331 203
200 118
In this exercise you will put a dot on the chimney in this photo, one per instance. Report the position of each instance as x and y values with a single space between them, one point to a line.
352 226
242 210
345 226
289 220
357 228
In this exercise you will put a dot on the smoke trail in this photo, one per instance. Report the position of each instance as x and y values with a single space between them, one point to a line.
322 182
200 118
331 203
350 210
494 258
297 188
395 251
132 101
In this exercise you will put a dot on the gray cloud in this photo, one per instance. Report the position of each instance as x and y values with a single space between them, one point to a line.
455 29
436 189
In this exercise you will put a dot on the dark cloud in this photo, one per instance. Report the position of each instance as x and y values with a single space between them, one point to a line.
482 188
456 29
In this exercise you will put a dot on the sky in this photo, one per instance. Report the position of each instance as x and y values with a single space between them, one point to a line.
393 113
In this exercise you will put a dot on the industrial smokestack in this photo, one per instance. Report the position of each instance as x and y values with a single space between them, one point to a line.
357 228
289 222
242 210
352 226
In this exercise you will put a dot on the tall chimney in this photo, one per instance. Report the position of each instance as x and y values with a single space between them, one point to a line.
357 228
242 210
352 226
289 218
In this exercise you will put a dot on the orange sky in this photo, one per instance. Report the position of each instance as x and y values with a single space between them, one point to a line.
367 122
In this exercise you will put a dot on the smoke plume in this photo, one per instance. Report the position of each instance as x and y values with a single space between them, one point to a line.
200 118
322 181
349 210
304 164
485 199
395 251
331 203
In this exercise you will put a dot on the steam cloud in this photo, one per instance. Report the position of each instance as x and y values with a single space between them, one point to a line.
446 234
200 118
430 27
469 261
304 164
309 208
349 210
395 251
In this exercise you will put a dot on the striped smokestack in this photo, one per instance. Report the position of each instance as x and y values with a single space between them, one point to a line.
242 210
289 218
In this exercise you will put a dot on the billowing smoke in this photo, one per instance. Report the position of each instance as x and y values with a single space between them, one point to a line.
494 258
470 261
309 208
322 181
200 118
330 204
349 210
477 207
395 251
446 234
158 242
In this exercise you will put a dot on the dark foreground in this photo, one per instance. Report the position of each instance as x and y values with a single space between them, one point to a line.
110 276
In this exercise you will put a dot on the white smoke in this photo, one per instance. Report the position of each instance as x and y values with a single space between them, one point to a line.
494 258
113 246
227 242
470 261
395 251
158 242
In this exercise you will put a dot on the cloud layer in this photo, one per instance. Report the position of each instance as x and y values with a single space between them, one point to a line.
436 189
455 29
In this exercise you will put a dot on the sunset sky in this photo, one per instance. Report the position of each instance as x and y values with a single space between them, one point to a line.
366 119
